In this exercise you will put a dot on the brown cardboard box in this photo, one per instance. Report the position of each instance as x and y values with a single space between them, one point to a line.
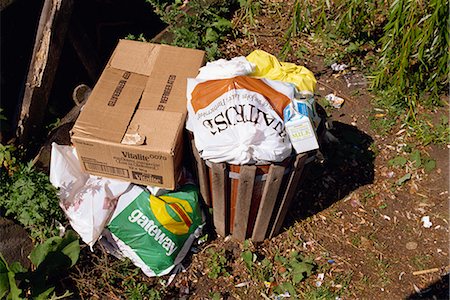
140 96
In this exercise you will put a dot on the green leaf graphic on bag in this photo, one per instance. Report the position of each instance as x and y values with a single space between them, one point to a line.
156 228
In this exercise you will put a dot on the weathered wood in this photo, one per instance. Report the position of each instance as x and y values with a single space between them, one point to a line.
289 194
219 192
203 176
48 45
268 200
85 50
243 201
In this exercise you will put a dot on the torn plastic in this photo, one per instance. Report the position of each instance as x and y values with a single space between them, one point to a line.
88 201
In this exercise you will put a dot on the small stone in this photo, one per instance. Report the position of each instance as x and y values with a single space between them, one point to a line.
411 245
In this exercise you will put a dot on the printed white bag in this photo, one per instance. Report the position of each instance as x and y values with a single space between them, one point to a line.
88 201
239 120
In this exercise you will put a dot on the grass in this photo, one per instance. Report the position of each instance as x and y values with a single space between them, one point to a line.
421 262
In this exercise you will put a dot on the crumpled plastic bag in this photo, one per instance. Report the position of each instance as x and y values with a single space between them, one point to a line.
239 120
222 68
88 201
268 66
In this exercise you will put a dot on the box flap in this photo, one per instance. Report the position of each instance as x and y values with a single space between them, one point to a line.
166 87
161 129
135 57
116 95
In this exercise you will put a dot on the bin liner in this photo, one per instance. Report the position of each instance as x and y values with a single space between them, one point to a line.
239 120
222 68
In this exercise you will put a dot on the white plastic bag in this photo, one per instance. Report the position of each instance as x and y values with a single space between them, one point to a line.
222 68
239 120
88 201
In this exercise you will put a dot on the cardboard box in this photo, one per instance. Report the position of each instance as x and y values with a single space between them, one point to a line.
131 127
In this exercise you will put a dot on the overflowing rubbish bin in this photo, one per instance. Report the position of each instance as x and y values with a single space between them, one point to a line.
253 127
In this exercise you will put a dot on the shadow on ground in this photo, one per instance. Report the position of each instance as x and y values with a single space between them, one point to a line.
437 290
348 165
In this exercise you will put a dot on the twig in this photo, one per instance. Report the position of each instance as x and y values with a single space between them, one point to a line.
421 272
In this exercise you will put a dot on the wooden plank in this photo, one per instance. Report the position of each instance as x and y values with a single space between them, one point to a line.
291 189
203 175
219 192
50 37
269 197
243 201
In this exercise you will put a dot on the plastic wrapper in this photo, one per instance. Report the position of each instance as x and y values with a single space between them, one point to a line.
156 232
88 201
268 66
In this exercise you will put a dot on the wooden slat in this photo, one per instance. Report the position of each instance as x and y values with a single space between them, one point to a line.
243 201
291 189
49 42
219 192
269 197
203 176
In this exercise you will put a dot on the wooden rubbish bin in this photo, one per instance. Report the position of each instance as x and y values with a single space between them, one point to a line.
249 201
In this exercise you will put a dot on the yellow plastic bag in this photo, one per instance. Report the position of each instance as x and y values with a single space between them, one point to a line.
268 66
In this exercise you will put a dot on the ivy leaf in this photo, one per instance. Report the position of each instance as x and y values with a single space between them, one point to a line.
405 178
211 35
222 24
398 161
415 157
301 270
430 165
247 256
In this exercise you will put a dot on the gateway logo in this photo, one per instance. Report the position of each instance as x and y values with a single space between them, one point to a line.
147 177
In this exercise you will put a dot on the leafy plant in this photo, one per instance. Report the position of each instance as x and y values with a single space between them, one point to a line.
28 196
49 260
217 264
196 24
414 51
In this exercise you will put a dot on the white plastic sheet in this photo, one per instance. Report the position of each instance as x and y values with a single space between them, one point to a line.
88 201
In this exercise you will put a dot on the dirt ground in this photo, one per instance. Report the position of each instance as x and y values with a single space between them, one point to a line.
351 216
350 210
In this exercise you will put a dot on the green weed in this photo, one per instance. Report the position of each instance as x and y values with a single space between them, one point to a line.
421 261
28 196
217 263
414 51
201 24
49 260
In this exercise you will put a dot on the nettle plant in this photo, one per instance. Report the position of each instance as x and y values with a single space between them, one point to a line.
198 24
27 195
